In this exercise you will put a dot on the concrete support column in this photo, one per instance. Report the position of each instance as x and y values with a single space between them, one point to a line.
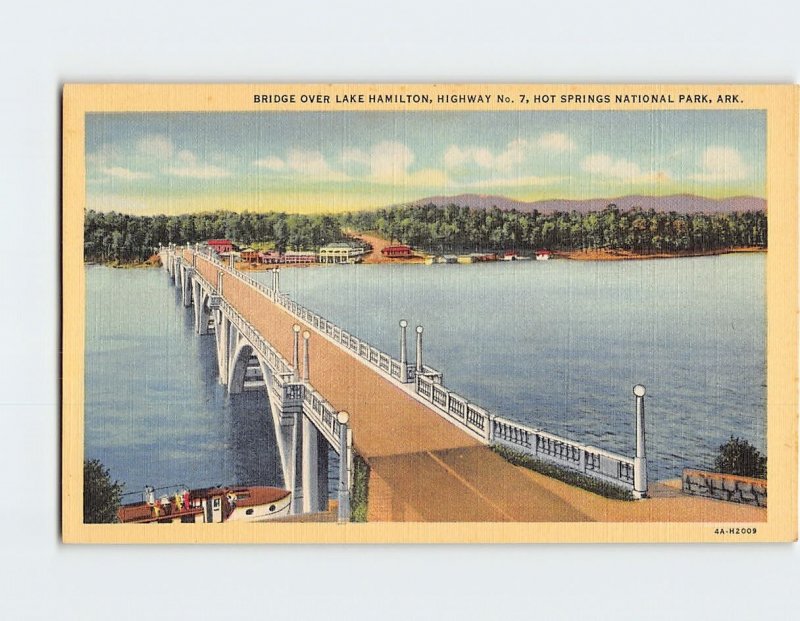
309 466
277 279
322 471
224 347
640 461
296 352
403 352
306 373
296 483
219 282
197 298
344 467
419 349
186 287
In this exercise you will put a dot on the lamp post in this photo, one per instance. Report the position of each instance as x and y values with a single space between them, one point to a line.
306 337
640 461
403 352
419 349
296 351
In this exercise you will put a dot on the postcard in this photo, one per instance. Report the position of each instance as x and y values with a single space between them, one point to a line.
302 313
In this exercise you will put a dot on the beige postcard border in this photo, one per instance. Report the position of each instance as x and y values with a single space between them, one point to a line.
780 102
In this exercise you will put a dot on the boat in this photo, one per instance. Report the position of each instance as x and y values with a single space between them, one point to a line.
177 504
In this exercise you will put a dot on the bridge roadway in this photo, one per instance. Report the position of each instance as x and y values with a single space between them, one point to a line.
423 468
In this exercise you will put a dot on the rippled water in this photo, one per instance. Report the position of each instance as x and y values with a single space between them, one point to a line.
155 412
555 344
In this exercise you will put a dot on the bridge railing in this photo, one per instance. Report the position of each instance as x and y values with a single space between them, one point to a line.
493 429
590 460
325 415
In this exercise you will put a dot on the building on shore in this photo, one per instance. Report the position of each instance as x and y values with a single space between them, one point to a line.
340 252
249 255
299 256
400 251
220 245
271 257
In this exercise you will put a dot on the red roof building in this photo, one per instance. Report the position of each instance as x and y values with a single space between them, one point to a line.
400 251
220 245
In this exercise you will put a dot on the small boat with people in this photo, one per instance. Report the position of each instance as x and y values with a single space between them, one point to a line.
177 504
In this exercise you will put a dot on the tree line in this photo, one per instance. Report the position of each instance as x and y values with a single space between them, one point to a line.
454 228
111 236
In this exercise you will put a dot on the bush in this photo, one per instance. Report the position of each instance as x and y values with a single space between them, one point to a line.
101 497
742 458
358 509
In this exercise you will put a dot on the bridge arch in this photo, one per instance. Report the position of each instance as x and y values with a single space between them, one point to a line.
237 367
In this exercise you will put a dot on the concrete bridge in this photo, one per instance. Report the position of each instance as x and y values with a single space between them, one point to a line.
427 446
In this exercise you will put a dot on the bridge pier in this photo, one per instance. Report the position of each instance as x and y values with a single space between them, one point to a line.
223 346
310 467
186 285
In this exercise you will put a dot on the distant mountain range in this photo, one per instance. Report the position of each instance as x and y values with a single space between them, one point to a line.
680 203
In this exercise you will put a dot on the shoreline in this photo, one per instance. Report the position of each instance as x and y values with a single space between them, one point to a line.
627 255
374 258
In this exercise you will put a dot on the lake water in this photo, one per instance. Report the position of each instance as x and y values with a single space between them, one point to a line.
555 344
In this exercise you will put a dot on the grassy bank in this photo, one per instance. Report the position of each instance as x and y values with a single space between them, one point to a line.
358 502
571 477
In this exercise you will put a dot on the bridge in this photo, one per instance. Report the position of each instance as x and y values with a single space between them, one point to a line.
427 447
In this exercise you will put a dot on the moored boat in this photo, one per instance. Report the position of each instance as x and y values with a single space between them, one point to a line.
178 504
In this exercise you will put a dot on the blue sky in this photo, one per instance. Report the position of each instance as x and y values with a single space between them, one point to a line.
337 161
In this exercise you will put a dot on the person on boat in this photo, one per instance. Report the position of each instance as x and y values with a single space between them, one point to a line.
186 499
232 499
156 508
178 501
165 504
150 495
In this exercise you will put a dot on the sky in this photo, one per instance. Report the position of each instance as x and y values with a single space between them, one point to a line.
311 162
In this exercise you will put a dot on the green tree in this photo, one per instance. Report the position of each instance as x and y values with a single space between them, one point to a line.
740 457
101 496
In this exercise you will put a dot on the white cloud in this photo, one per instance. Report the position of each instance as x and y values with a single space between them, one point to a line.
516 151
606 167
722 164
556 141
118 172
603 165
187 157
387 161
156 145
313 165
270 163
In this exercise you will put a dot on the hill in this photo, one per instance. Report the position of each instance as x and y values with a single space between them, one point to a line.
680 203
